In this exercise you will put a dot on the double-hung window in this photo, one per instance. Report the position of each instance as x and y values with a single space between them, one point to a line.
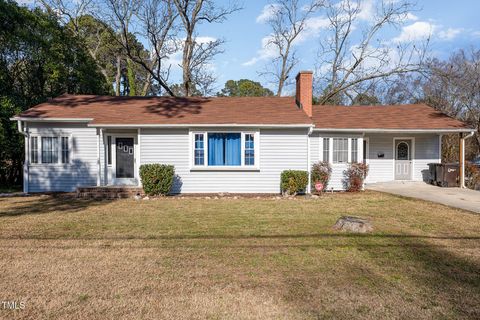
326 149
49 149
34 150
224 149
199 149
65 150
249 149
340 150
354 150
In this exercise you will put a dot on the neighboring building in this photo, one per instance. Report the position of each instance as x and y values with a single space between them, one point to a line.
238 145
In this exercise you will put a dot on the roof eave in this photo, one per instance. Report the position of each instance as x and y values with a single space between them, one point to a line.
201 125
53 119
399 130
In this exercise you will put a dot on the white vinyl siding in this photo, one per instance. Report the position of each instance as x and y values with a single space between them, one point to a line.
325 152
380 168
82 168
426 150
279 149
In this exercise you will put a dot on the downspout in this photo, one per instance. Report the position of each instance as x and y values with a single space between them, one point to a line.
309 169
22 129
462 175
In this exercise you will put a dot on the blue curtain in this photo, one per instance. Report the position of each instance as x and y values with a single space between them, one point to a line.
224 149
233 149
216 149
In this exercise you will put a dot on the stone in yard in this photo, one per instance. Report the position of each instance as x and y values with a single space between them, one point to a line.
146 198
137 197
353 224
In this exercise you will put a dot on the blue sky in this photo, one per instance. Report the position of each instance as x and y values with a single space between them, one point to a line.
451 24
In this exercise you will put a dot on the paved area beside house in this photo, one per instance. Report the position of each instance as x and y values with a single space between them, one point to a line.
455 197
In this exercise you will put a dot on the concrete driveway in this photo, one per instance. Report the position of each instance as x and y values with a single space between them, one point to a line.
455 197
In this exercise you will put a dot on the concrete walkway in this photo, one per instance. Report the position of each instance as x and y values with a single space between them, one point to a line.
455 197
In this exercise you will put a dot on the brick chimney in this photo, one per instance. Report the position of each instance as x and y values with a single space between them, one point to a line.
304 93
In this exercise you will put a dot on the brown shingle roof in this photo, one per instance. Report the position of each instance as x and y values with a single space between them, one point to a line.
108 110
170 110
410 116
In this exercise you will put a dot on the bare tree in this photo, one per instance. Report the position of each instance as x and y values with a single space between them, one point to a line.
197 54
288 19
155 21
342 65
453 87
72 12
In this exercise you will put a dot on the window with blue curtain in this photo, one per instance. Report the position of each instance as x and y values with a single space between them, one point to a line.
224 149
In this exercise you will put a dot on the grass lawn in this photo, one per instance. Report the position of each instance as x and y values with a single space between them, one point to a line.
238 259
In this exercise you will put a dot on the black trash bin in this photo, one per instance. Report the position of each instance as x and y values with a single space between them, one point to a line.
432 168
447 175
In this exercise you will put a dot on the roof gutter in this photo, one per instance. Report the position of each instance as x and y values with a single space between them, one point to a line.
28 119
380 130
199 125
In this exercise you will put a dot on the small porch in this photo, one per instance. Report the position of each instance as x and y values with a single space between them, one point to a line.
404 156
118 161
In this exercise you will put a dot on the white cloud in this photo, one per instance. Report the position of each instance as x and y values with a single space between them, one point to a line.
202 40
266 52
419 30
26 2
411 17
449 34
476 33
268 12
367 10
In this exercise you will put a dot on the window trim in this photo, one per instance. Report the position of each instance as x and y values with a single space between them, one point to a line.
242 167
59 162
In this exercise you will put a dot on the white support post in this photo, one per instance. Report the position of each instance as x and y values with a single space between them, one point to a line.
26 163
360 150
440 138
139 152
349 148
99 165
462 161
308 191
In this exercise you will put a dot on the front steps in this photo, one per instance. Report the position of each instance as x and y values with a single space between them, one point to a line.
109 192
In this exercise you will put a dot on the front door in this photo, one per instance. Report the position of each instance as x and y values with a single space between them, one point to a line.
124 159
403 159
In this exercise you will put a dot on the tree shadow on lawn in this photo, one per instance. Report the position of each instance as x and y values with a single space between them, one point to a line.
20 206
433 281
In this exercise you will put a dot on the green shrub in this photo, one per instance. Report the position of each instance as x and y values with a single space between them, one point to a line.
157 178
294 181
321 172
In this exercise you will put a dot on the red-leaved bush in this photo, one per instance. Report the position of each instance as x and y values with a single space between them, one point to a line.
355 176
321 172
